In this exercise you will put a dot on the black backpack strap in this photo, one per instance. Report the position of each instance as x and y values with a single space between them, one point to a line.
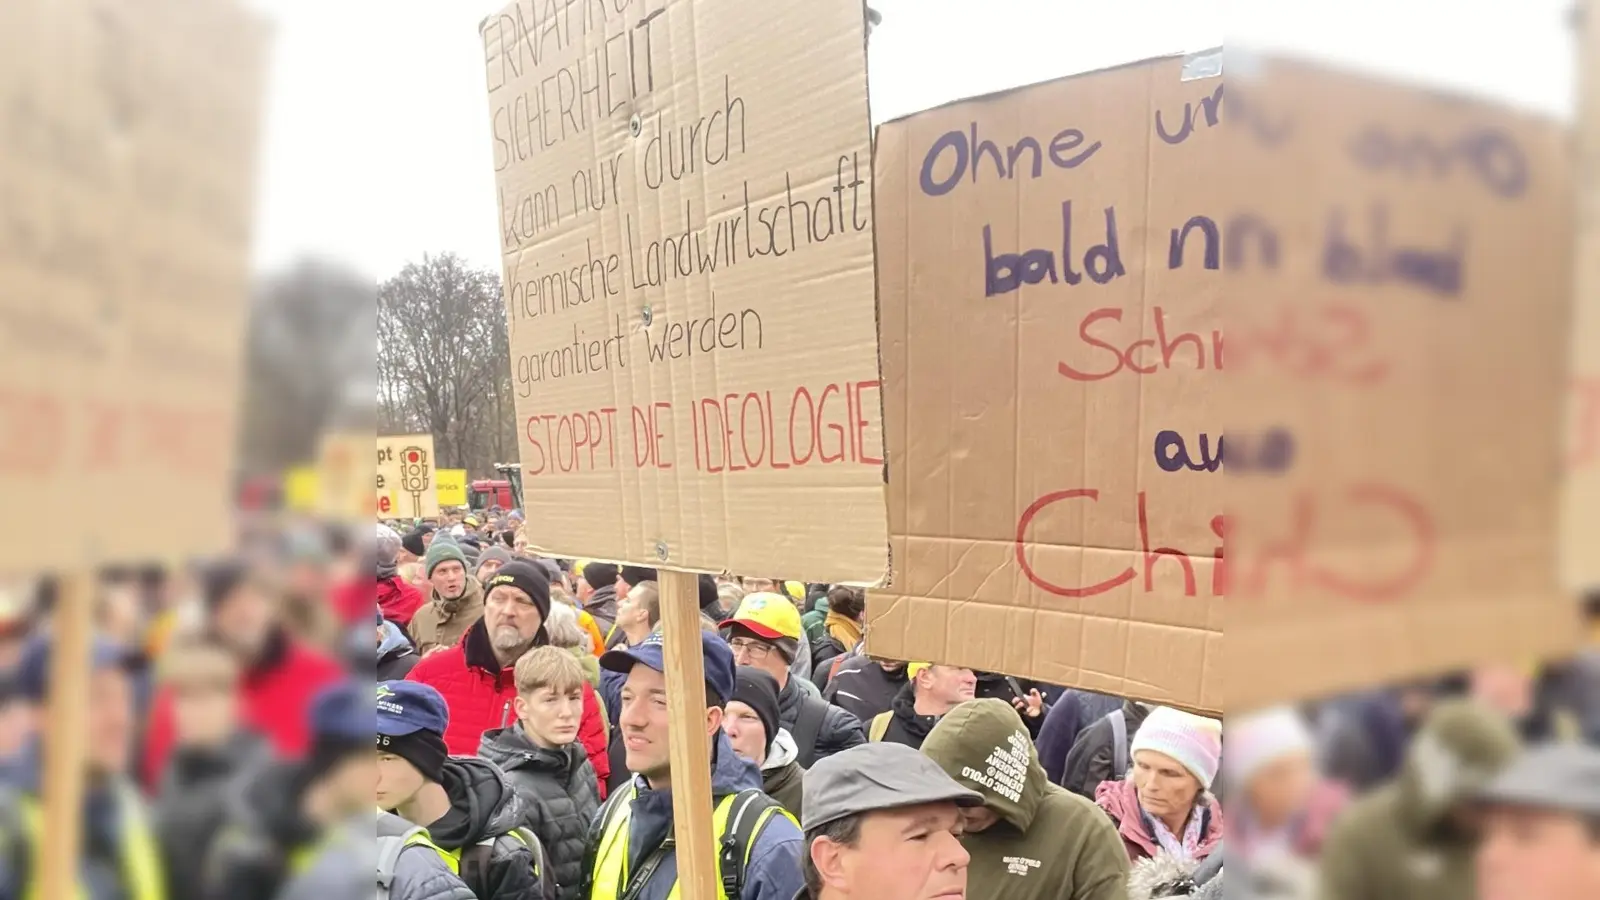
807 726
475 866
749 813
1119 743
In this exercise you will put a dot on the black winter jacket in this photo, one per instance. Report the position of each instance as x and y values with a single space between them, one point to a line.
906 725
559 796
483 807
837 730
1092 757
862 688
193 806
262 828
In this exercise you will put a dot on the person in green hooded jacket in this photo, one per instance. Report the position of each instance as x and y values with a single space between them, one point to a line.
1414 838
1031 840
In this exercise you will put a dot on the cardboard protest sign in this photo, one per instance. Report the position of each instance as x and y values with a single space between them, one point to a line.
1059 263
406 484
1580 556
451 487
130 134
1023 259
1408 344
686 221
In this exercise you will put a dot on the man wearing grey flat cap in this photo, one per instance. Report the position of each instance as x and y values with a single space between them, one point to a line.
883 822
1541 827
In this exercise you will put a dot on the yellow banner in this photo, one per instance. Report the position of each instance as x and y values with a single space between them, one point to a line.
451 487
302 489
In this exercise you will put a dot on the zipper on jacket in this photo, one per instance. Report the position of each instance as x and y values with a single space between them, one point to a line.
505 714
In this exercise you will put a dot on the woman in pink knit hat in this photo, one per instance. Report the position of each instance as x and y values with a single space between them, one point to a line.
1164 808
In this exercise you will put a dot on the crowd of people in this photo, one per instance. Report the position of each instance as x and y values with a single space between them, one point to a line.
522 750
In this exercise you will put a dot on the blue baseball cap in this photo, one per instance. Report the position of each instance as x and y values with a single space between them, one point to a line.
339 714
33 669
406 707
714 650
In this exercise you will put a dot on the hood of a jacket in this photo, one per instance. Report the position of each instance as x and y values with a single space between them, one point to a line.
984 745
1120 800
652 810
479 652
393 639
793 693
190 767
904 708
470 600
385 571
270 803
482 804
603 603
782 752
510 749
1460 746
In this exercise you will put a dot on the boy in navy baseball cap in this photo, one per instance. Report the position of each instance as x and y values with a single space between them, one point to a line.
411 722
287 810
462 801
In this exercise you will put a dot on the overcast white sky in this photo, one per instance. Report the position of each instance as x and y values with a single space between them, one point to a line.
377 147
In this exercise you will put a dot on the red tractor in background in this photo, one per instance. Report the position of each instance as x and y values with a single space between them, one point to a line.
504 493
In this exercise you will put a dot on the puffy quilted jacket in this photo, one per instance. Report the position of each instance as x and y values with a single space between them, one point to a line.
481 695
559 793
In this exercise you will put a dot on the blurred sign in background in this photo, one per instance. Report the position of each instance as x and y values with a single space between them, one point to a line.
126 187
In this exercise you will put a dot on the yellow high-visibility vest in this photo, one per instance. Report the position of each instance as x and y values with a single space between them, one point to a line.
611 861
451 860
142 875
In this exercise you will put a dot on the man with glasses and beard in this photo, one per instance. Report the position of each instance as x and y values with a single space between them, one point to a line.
476 675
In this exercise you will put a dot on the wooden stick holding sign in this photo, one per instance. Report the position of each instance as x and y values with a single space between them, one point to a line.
66 738
690 743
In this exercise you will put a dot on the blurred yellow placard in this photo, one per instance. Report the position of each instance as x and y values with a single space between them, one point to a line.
452 487
301 489
344 475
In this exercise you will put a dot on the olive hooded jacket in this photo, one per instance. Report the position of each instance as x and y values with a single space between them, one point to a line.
1049 844
1401 842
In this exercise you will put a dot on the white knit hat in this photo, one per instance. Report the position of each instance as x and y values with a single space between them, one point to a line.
1194 741
1260 739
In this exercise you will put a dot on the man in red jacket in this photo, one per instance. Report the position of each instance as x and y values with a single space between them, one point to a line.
477 676
280 676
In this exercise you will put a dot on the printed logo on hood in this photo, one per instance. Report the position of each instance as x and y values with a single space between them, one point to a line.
1006 770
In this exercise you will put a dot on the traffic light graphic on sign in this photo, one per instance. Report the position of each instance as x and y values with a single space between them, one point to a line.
414 475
